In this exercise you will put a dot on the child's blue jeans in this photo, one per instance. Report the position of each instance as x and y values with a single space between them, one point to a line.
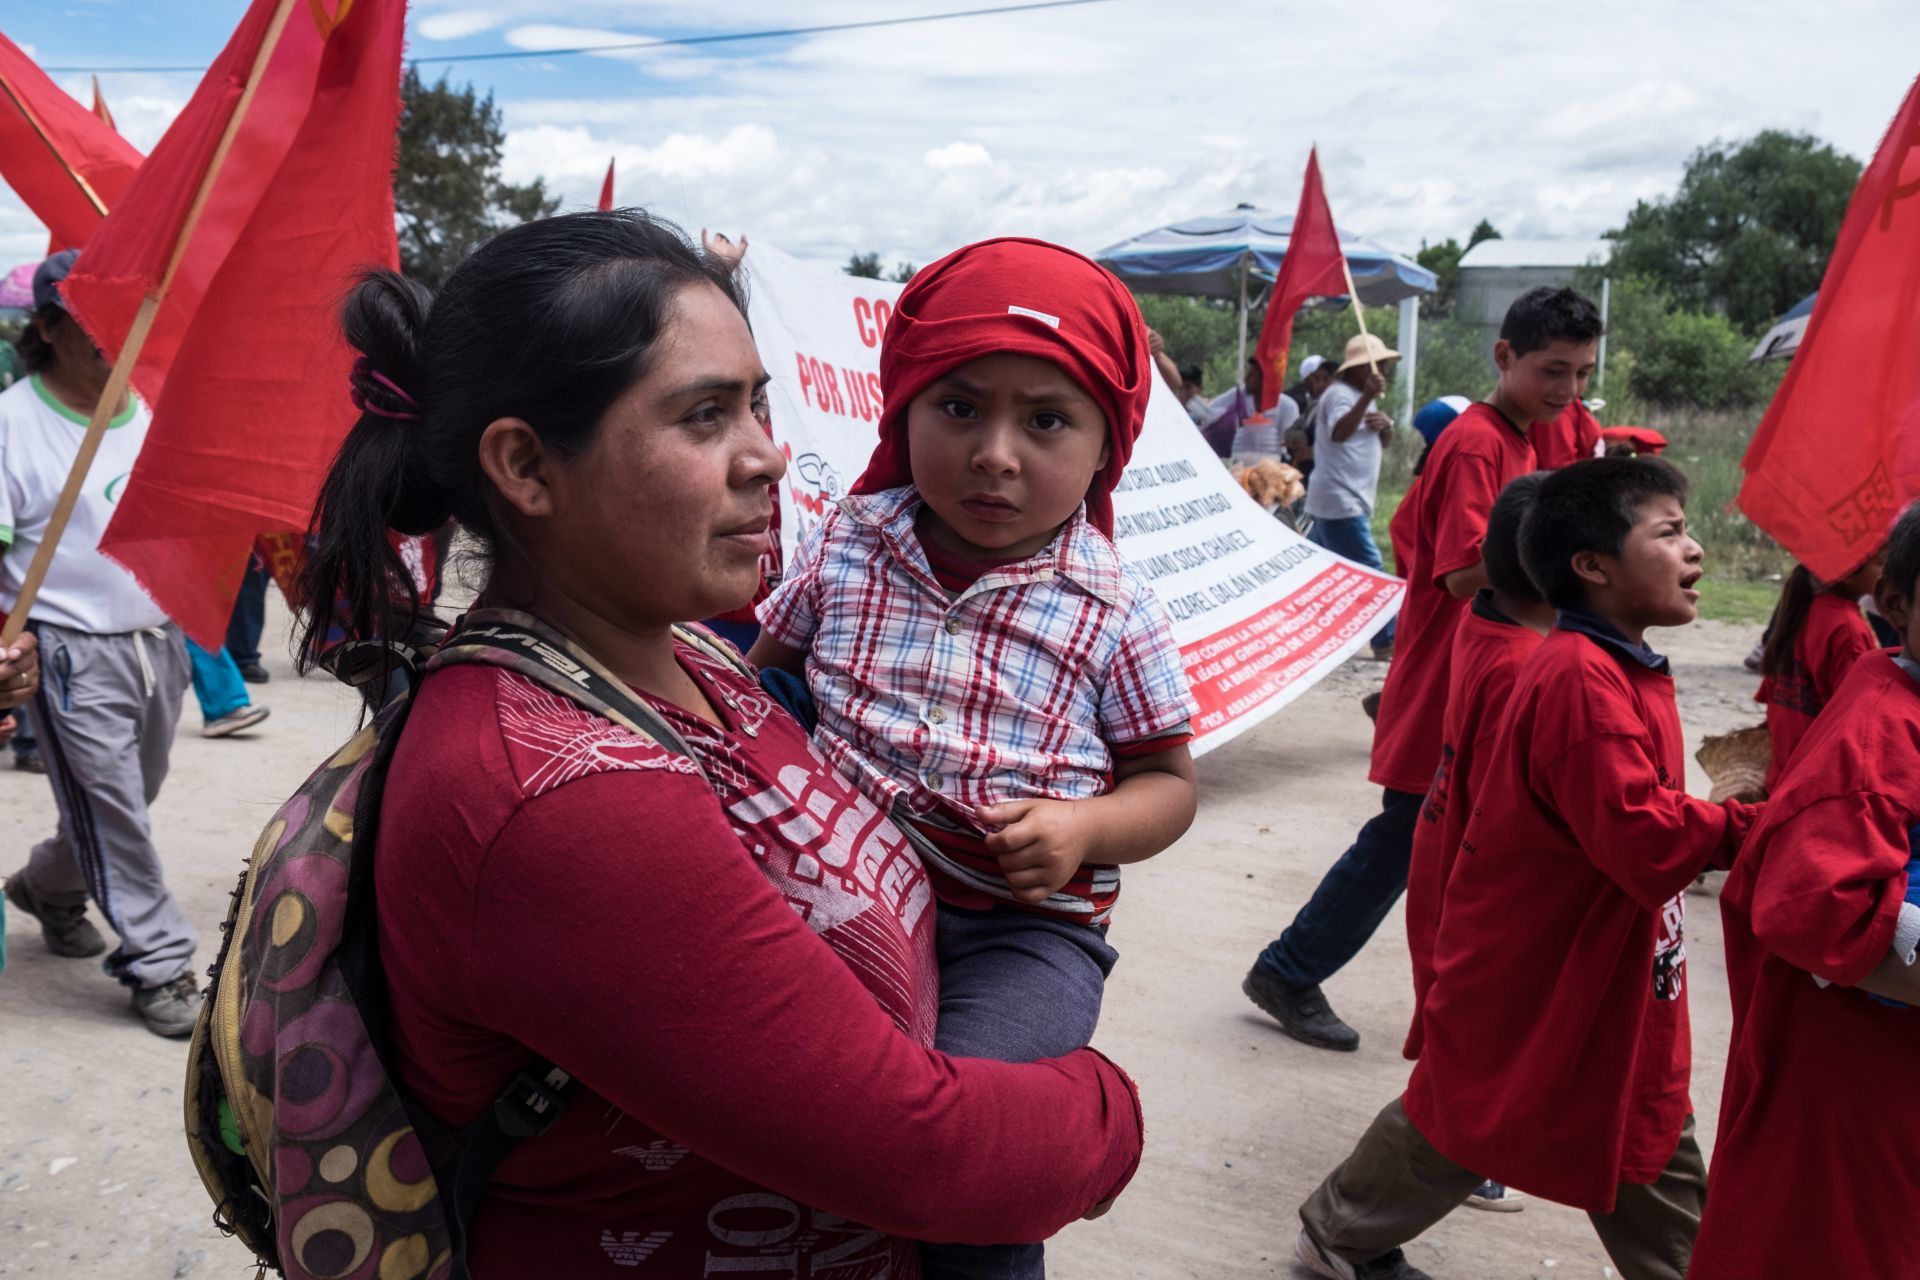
1015 987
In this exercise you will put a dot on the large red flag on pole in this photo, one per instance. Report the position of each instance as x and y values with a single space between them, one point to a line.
66 166
1313 267
217 277
606 189
1838 453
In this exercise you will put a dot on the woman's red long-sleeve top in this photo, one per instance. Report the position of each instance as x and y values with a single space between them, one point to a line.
737 970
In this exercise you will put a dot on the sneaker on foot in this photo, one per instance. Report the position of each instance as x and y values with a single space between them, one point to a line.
67 930
1390 1266
254 673
171 1008
1496 1198
233 722
1302 1012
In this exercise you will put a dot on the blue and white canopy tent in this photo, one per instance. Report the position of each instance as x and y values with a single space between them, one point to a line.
1237 254
1785 337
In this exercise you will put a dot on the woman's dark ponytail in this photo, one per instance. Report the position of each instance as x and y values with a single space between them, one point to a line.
355 584
550 323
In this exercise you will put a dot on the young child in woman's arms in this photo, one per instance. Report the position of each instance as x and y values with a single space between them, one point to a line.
985 666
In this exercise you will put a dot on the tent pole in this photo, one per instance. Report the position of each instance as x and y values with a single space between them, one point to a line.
1240 369
1409 356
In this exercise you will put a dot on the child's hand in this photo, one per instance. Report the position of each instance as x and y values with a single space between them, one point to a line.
1040 844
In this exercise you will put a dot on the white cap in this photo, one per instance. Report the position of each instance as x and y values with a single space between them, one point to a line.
1311 365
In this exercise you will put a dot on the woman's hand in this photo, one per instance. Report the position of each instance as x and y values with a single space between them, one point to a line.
19 672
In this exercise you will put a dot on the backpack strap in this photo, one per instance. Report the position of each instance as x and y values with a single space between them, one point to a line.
536 1097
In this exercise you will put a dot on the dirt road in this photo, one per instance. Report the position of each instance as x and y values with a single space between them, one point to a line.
1242 1122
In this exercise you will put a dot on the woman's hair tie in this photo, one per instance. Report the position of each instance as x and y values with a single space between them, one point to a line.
374 392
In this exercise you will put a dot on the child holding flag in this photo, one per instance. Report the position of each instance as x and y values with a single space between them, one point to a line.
986 667
1822 916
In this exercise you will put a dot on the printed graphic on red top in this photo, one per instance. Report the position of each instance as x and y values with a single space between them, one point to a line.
1559 965
1819 1076
1469 464
1488 653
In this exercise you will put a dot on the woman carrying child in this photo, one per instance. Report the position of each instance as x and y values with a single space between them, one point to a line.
734 961
986 667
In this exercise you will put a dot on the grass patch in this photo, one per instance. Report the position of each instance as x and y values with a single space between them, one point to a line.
1744 566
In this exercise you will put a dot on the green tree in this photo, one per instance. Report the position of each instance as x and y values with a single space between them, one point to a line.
1750 229
448 195
1443 260
864 265
902 272
1484 231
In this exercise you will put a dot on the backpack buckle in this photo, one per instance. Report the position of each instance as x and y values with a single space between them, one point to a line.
530 1103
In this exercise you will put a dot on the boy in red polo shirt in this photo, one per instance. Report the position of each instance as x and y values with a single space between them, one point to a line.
1546 352
1821 916
1556 1048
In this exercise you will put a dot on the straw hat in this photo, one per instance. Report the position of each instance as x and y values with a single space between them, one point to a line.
1736 764
1364 347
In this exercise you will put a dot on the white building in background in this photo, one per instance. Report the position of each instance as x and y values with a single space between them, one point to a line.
1495 272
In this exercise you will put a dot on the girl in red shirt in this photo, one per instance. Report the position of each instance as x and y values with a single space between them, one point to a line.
1816 1172
734 963
1818 633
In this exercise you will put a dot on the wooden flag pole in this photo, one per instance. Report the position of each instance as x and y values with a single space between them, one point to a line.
122 372
33 122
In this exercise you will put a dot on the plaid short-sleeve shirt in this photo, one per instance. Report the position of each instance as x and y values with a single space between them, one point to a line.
1016 688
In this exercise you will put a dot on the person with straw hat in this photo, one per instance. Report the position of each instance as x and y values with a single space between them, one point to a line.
1350 438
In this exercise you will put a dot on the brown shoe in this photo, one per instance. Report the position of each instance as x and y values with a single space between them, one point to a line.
1371 705
67 930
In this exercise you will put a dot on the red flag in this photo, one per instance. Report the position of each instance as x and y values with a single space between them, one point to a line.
56 154
1312 268
1838 453
244 366
606 189
100 106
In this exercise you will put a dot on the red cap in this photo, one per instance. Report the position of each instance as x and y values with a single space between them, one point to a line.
1017 297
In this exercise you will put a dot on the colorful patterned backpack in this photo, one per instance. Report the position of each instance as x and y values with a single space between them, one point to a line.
313 1155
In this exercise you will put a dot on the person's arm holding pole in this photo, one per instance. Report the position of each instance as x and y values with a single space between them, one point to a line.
122 373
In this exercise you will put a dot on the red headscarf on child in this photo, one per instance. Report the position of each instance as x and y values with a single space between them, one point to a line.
1019 297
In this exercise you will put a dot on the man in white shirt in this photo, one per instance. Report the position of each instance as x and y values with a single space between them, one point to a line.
113 669
1349 438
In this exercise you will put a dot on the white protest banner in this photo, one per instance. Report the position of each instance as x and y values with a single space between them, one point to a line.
1260 613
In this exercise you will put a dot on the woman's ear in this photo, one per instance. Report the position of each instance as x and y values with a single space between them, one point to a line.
515 461
1892 604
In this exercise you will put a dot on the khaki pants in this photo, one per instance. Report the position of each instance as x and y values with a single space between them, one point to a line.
1395 1185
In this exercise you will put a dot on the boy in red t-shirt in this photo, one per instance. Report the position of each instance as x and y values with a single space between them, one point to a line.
1556 1050
1821 915
1545 355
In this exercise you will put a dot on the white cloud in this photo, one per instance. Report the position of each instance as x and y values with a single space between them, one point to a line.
1090 124
958 155
458 24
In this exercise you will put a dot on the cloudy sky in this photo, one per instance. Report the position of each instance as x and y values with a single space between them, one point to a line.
1090 123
